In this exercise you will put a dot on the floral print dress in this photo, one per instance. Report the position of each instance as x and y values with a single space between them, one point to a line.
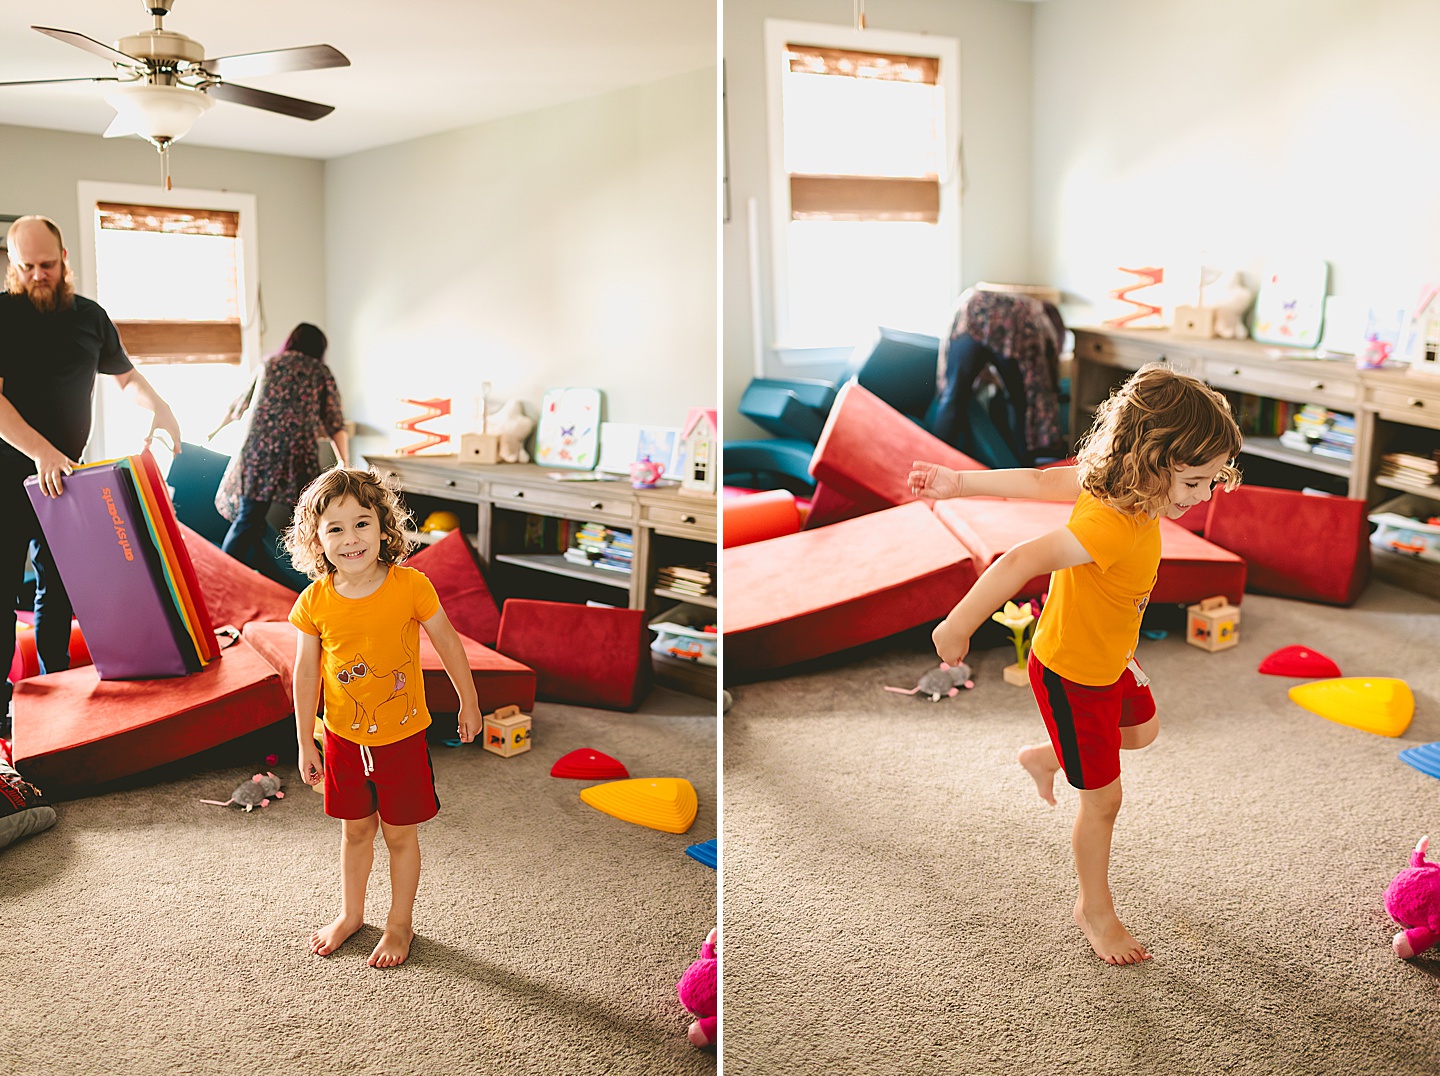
295 403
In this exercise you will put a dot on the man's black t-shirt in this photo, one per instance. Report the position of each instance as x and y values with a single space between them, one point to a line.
49 362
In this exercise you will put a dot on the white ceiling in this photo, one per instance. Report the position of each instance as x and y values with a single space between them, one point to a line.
417 67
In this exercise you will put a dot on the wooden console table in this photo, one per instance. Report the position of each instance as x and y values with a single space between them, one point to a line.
1394 411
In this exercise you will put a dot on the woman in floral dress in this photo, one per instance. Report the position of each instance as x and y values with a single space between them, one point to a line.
296 403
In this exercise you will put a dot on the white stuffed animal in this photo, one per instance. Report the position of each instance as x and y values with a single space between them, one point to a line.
1230 310
513 426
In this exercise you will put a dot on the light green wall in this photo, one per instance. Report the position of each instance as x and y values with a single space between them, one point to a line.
41 168
1247 131
573 246
995 117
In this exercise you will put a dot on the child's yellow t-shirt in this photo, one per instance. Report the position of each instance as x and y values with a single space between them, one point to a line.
1091 621
370 655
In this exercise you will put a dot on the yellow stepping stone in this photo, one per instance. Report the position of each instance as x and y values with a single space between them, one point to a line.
1378 704
664 803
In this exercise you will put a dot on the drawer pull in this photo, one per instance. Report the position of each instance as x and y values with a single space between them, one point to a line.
597 505
1416 402
519 493
1318 386
450 483
1237 372
687 519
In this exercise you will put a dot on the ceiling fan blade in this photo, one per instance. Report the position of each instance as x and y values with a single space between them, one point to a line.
47 81
271 102
251 64
89 44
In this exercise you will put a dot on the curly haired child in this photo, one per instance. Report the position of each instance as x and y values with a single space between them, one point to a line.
1158 447
359 625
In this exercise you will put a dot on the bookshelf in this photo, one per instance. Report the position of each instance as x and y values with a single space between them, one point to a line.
524 520
1389 413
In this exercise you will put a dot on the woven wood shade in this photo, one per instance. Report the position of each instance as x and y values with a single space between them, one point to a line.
169 342
864 198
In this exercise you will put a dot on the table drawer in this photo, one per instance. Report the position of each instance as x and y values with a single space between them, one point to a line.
1131 354
437 482
1420 408
596 505
1323 387
681 520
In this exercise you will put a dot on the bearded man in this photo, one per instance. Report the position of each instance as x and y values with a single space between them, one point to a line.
53 344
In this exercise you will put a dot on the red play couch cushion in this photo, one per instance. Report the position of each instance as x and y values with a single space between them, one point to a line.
1191 568
1298 545
866 449
26 662
234 593
73 729
450 565
581 654
819 591
499 681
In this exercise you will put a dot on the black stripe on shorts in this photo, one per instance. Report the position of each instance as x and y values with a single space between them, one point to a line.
1064 719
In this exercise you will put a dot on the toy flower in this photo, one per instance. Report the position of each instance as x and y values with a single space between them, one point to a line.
1018 618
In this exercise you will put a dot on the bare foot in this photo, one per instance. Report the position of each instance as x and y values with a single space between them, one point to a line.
393 947
1039 762
325 940
1109 938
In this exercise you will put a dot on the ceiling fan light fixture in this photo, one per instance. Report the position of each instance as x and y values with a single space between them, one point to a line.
158 113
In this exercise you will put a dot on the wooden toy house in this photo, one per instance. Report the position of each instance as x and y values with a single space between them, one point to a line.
701 440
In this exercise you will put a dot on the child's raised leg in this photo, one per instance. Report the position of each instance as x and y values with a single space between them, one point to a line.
394 945
1095 908
357 855
1042 764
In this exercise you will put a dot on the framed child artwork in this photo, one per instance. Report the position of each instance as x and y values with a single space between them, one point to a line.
1290 308
568 434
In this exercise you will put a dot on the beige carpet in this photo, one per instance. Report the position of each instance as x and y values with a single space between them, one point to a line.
897 898
149 933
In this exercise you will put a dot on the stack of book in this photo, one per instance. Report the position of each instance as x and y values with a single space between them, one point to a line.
1322 432
686 579
602 547
1260 415
1413 472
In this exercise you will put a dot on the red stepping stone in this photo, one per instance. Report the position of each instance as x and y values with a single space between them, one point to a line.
587 764
1299 661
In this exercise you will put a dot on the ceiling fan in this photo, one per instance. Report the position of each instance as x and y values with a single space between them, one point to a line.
164 81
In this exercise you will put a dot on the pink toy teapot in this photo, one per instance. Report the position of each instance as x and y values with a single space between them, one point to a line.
645 473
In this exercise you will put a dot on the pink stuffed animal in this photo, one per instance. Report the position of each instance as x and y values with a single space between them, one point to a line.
698 989
1413 900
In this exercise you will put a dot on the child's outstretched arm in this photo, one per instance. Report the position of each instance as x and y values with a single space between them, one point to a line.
305 691
1038 556
452 654
1051 484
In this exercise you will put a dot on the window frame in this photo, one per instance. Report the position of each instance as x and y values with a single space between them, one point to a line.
91 193
787 349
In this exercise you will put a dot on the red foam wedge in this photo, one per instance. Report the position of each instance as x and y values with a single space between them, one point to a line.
1299 661
587 764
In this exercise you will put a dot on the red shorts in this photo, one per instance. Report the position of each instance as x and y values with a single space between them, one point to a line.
1084 722
400 783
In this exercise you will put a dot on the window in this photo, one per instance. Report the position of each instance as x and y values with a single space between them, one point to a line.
176 272
865 225
170 279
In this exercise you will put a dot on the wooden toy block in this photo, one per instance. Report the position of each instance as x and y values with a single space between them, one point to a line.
1197 321
506 732
480 447
1212 625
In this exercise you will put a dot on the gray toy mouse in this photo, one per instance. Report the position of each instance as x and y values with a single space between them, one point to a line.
944 682
253 793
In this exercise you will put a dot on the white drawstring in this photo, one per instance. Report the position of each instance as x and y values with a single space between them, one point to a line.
367 760
1141 680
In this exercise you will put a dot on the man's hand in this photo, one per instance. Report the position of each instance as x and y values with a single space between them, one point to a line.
165 420
50 464
932 480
